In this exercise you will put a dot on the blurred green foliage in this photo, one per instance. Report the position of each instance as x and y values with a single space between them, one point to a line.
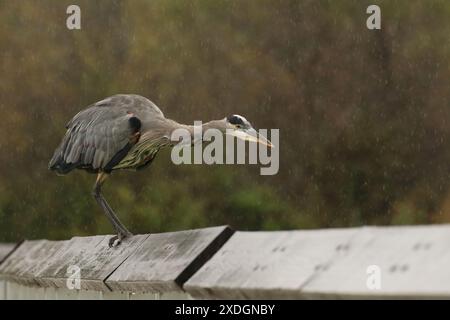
363 115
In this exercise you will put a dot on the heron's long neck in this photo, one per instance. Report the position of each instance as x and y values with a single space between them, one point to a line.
161 134
193 129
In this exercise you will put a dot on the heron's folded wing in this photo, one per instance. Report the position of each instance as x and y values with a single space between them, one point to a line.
93 137
97 134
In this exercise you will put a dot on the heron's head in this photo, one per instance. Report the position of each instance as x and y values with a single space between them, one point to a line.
241 128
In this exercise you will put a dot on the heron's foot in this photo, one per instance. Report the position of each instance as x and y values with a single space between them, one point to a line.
117 240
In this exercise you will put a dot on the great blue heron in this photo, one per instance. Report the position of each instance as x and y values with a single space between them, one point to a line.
126 132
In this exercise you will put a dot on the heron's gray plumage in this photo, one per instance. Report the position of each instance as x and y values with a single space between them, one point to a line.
98 133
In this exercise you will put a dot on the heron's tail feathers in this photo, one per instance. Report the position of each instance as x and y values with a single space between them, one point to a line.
60 167
57 162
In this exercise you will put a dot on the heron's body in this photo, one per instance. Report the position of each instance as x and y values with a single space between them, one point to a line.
120 132
125 132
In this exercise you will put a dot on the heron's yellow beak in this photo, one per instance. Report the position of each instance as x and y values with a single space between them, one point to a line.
250 135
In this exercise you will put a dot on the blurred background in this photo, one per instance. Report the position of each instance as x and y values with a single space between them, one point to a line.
363 114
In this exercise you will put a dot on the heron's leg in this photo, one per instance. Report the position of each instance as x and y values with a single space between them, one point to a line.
106 207
122 231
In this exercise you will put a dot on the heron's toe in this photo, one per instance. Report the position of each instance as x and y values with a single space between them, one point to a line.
114 241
